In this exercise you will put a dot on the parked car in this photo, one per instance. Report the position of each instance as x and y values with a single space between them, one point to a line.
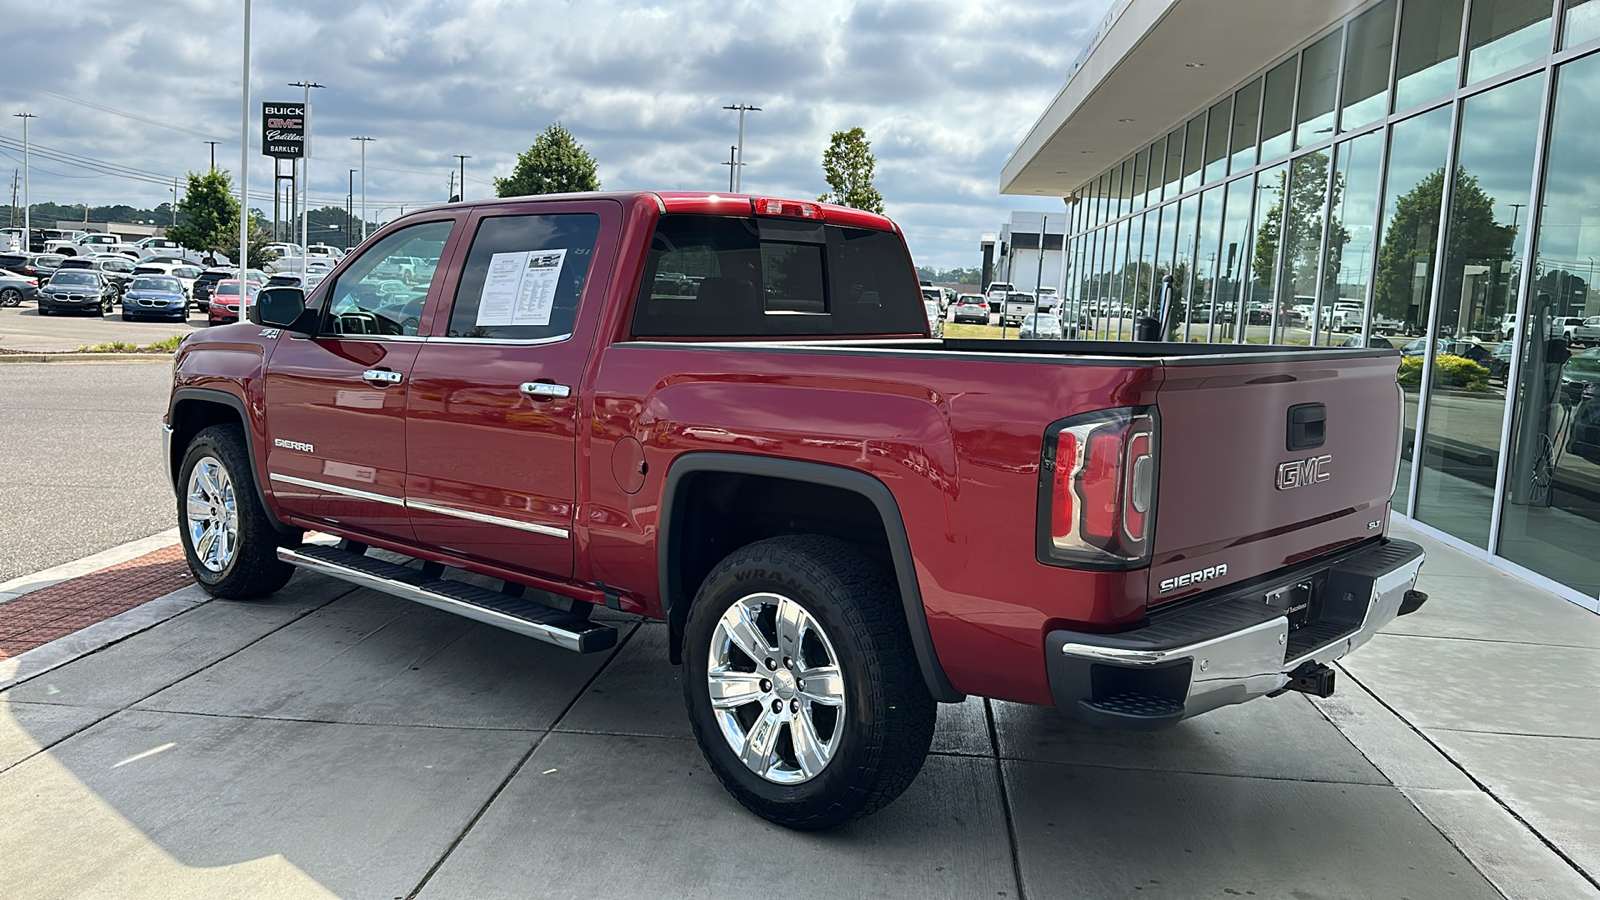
935 318
1047 298
90 244
1500 360
117 270
1587 332
206 282
78 290
971 308
46 264
837 533
224 306
186 273
16 288
1039 327
1468 349
1568 325
1018 304
155 296
1372 340
995 294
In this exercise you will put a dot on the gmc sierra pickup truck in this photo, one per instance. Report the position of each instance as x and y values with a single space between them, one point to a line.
727 413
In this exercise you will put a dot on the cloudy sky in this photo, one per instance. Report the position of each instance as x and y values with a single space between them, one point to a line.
945 91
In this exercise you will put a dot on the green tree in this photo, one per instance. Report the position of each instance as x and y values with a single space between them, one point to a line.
210 214
555 164
848 166
1300 232
1413 230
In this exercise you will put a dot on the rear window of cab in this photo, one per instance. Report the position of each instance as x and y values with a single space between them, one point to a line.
724 276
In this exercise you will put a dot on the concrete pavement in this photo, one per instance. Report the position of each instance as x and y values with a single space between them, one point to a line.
332 741
23 328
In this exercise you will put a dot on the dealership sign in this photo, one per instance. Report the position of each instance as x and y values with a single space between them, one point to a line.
283 130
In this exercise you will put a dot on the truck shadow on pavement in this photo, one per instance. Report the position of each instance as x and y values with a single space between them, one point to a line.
335 741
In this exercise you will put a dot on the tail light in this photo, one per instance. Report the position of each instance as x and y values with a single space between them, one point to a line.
794 209
1097 489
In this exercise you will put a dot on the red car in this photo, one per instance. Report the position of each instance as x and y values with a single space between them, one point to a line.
224 306
727 413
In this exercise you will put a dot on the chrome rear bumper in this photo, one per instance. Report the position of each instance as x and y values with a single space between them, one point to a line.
1230 648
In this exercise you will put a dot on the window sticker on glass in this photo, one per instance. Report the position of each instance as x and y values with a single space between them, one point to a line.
520 288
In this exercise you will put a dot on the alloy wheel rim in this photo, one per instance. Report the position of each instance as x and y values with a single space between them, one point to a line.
211 514
776 688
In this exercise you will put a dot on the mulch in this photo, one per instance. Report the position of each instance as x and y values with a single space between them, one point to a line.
44 615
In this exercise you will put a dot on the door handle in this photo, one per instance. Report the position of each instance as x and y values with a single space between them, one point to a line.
544 390
382 377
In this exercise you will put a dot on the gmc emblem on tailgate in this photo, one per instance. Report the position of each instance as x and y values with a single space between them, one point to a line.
1301 472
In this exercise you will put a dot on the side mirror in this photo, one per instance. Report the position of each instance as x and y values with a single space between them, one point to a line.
280 307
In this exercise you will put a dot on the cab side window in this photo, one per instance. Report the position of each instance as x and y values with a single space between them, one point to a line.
523 277
382 293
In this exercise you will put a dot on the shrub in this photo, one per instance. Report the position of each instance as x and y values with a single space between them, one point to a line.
1448 371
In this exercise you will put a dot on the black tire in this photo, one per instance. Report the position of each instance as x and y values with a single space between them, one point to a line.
255 570
44 310
888 716
10 297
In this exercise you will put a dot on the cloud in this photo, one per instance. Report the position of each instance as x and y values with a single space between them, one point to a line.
945 91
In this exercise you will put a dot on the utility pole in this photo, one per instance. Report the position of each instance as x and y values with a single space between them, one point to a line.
27 205
213 153
244 163
363 141
16 182
305 172
452 189
462 191
732 164
738 166
174 199
349 202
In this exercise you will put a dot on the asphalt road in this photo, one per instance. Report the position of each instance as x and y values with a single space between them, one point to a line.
80 460
24 329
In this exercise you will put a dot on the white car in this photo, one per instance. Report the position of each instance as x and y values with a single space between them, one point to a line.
1048 299
996 294
1587 332
90 244
323 250
1018 306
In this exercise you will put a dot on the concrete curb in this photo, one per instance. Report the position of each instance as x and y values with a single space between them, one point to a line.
75 357
24 584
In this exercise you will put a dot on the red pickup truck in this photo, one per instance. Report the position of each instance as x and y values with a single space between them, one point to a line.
727 413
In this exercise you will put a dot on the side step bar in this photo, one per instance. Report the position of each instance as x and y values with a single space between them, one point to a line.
567 630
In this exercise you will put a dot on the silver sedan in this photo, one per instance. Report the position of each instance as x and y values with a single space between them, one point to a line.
15 288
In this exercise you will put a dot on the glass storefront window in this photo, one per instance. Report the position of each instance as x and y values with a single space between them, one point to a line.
1201 298
1127 186
1504 34
1489 199
1233 260
1410 231
1141 163
1265 253
1366 67
1302 248
1164 251
1430 49
1174 164
1193 148
1347 270
1147 253
1114 193
1246 116
1132 280
1114 272
1319 83
1218 123
1582 20
1551 518
1176 310
1277 110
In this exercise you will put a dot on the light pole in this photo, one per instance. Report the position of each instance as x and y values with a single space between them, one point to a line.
349 201
244 160
27 205
363 141
213 153
738 168
305 173
461 183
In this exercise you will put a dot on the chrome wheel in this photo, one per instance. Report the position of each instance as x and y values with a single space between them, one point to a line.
776 688
211 514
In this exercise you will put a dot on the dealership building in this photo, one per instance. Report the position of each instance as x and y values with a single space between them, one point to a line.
1416 172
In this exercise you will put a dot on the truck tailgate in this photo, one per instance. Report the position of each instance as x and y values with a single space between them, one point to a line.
1243 490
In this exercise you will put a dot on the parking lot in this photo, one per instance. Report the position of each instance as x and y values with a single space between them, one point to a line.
336 741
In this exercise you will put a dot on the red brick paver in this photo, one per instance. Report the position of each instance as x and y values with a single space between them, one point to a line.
57 611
